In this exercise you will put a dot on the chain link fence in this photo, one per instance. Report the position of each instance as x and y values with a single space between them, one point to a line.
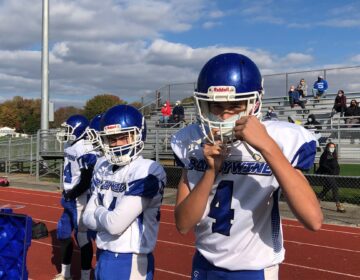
346 189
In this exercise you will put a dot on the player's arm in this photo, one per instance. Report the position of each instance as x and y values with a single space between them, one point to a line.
118 220
85 177
88 217
299 194
82 186
190 205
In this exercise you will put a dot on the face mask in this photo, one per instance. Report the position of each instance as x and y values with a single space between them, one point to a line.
331 150
310 119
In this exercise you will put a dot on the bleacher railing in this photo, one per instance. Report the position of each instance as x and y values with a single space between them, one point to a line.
276 85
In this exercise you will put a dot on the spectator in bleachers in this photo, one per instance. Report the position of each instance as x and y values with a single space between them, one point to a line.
270 115
352 114
165 112
320 87
178 112
294 98
312 123
302 88
314 126
339 104
328 165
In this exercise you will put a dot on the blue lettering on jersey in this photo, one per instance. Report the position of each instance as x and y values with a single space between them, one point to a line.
69 156
234 167
114 186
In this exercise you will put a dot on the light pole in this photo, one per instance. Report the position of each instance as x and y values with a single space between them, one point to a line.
45 67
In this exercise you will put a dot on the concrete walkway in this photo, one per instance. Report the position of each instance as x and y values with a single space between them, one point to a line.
350 218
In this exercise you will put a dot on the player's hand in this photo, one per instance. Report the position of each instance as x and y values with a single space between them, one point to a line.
252 131
215 155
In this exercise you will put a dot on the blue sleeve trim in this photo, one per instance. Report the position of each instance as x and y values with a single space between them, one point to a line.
145 187
305 156
89 159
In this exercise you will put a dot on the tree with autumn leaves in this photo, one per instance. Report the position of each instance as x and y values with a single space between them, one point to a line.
25 114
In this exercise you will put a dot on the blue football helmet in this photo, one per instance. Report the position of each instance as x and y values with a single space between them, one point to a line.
227 77
92 132
122 120
73 129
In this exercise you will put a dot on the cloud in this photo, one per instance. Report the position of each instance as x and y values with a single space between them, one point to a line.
210 24
355 59
128 48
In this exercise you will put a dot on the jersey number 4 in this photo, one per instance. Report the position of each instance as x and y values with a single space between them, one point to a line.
220 208
67 173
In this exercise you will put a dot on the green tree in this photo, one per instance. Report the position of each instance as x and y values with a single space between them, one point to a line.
100 103
8 116
63 113
136 104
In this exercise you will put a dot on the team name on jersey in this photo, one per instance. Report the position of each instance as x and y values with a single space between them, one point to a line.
105 185
69 156
234 167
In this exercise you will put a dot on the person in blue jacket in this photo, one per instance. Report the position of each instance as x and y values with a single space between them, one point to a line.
320 87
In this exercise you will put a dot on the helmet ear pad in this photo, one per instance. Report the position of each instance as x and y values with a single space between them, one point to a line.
228 77
122 119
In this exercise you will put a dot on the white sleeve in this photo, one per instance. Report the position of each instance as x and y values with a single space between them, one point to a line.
117 221
88 217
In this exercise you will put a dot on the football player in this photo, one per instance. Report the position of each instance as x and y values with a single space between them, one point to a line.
234 168
124 207
78 169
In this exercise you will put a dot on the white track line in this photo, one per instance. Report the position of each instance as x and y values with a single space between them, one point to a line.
183 275
37 194
173 273
322 270
192 246
94 255
32 204
324 229
163 209
322 246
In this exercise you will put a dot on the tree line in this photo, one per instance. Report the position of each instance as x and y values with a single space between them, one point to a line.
25 114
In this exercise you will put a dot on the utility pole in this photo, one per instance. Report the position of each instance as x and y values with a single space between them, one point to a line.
45 67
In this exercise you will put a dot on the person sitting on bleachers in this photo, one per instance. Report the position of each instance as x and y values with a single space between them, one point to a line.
270 115
320 87
294 98
314 126
178 112
302 88
352 114
339 104
165 112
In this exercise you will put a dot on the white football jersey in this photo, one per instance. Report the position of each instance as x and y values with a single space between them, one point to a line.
241 227
130 196
76 157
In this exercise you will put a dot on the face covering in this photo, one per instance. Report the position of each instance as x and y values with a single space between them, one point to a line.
331 150
310 119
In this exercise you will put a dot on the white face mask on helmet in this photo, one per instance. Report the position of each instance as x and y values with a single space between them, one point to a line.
224 127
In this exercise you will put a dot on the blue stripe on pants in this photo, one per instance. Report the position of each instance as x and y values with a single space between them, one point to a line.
115 266
203 270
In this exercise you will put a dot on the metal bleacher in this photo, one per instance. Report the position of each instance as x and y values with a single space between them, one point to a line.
333 128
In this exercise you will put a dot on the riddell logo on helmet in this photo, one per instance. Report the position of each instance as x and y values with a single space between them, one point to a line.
222 89
112 127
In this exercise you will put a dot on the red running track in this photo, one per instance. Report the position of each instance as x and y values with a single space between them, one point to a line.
332 253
